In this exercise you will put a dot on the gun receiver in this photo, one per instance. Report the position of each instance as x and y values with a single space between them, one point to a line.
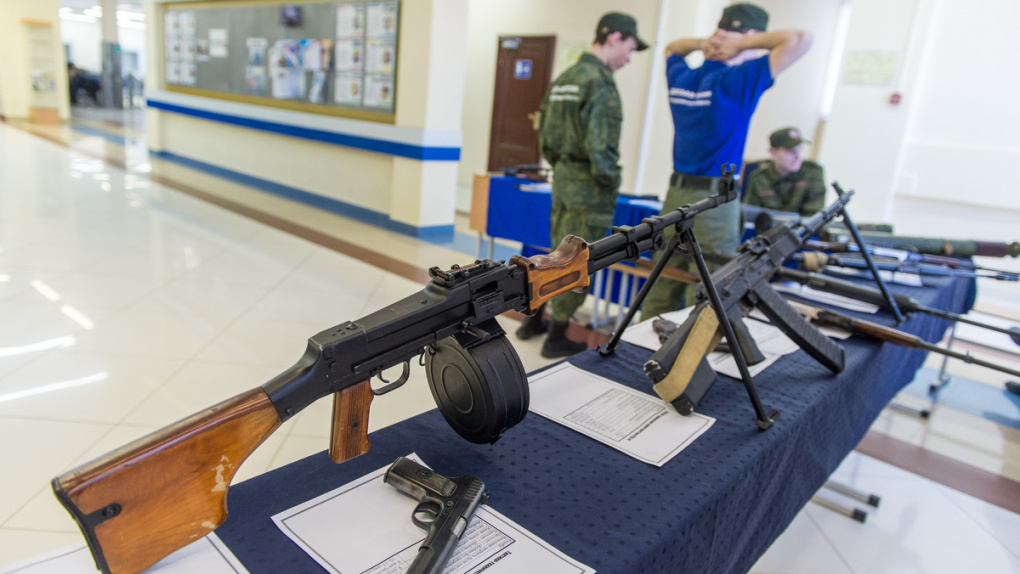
679 371
115 499
451 502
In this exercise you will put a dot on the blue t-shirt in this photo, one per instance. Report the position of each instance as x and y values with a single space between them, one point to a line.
712 107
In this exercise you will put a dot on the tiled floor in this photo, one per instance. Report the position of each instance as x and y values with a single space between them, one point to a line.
127 304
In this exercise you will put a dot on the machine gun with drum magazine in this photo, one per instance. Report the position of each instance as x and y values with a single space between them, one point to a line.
165 490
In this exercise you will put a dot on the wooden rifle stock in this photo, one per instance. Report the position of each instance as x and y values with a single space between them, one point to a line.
111 498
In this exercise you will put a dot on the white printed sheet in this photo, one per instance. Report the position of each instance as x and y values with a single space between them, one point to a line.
364 527
771 341
208 555
635 423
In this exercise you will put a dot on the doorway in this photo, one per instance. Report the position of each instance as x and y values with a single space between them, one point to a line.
523 74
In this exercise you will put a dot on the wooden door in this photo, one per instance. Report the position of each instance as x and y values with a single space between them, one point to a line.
523 74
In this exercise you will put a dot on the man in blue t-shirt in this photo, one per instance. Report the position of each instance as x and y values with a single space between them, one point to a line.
712 107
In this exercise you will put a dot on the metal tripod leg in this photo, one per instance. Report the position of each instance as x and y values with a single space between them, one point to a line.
943 375
867 258
854 513
765 420
869 499
667 253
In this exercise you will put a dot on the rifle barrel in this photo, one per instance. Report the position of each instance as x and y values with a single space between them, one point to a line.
873 296
897 337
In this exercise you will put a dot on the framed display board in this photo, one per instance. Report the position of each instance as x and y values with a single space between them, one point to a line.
336 58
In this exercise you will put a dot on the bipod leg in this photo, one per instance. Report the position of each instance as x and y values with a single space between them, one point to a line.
765 420
667 253
867 258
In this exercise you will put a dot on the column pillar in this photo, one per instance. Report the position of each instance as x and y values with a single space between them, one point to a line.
431 60
112 93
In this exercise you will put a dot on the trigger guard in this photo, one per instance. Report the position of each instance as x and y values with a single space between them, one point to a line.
395 384
429 506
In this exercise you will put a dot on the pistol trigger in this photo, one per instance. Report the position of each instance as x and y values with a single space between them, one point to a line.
426 513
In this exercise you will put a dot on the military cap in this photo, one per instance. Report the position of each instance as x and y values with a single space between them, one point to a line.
786 138
743 17
623 23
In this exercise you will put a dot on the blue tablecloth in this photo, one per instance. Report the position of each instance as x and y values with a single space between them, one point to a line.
715 508
523 214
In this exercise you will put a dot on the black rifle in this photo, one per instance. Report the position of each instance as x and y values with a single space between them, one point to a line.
815 260
829 318
679 370
873 296
451 502
155 495
741 284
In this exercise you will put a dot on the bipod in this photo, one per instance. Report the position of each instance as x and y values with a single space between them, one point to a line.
690 248
867 257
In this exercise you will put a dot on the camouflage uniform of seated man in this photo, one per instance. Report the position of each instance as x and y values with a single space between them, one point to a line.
579 135
787 182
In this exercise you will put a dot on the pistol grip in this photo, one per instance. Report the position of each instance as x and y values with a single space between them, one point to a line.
348 433
752 354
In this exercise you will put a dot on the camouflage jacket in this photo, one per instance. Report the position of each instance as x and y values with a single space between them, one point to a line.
801 192
581 118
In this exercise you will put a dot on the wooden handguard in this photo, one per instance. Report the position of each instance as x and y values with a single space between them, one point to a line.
118 500
348 433
562 270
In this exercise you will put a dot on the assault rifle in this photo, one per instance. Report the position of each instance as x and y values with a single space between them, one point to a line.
873 296
121 501
679 369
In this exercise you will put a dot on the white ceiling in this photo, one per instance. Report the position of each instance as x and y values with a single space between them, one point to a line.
79 5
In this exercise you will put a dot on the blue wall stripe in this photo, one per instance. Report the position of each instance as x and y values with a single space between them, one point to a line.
435 233
358 142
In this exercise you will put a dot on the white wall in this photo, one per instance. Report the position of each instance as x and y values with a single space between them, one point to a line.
15 77
795 98
865 133
961 142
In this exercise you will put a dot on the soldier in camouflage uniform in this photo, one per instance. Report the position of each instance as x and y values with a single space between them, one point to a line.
580 136
712 107
787 182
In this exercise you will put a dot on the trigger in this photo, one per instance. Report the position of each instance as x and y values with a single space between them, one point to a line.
395 384
425 514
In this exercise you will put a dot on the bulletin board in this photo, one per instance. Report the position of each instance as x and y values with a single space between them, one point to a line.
336 58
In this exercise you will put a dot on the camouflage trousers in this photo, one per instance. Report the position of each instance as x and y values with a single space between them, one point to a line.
578 208
717 229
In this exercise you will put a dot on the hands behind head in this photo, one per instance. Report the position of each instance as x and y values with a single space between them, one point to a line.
723 45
